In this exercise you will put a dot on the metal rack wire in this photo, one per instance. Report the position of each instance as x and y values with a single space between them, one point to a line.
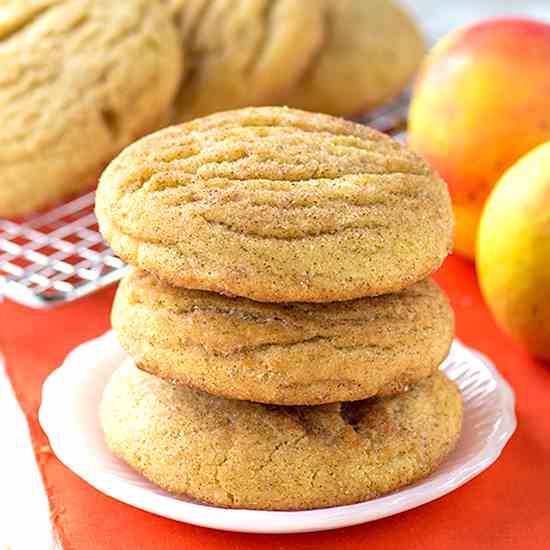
59 256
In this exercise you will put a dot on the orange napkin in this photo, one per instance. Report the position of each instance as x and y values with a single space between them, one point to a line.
506 507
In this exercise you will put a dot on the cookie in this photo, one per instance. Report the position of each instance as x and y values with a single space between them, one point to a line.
287 354
276 205
243 52
79 81
371 51
240 454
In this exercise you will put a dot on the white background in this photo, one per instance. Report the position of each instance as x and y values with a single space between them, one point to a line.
24 515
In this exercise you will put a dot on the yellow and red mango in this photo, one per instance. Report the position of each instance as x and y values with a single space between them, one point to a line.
481 101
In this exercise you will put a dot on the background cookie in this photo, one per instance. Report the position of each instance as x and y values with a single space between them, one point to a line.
371 51
290 354
79 80
243 52
245 455
276 205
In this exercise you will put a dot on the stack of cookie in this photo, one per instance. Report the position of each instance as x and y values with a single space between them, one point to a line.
285 338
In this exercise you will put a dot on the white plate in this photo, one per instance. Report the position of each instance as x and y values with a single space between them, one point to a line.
68 415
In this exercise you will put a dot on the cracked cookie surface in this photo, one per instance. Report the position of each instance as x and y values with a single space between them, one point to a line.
289 354
370 53
243 52
245 455
276 205
75 88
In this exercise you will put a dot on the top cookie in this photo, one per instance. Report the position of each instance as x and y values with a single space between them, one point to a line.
75 88
371 51
276 205
243 52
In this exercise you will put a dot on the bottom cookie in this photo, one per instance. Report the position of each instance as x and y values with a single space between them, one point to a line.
240 454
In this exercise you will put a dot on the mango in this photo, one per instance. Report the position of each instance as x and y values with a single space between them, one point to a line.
513 252
481 101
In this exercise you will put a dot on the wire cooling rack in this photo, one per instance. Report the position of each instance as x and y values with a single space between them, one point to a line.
56 257
59 256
